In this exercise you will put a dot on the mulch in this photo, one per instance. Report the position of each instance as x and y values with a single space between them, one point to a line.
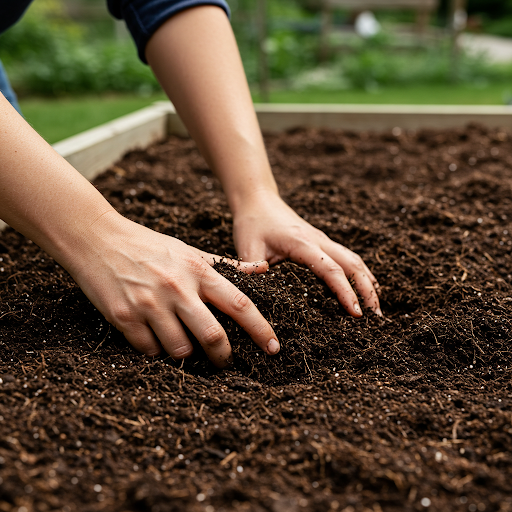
408 412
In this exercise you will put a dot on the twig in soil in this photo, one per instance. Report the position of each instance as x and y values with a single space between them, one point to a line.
428 327
226 460
8 313
40 369
101 343
307 365
182 380
459 484
15 275
488 256
415 258
298 280
354 238
474 339
454 430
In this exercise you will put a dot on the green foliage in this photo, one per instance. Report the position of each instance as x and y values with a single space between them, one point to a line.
46 53
292 42
43 23
292 49
432 94
500 27
375 63
290 53
88 68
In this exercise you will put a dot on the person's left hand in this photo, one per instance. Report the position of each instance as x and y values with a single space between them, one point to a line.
266 228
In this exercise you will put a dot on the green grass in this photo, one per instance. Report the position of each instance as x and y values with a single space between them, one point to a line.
56 119
494 94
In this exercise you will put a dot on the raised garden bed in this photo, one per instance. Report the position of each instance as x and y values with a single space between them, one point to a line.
409 412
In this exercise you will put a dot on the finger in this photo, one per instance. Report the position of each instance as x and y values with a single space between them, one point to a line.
366 289
373 279
356 269
171 334
249 267
141 337
332 273
252 249
230 300
208 331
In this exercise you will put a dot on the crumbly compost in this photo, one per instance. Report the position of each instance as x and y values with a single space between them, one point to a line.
408 412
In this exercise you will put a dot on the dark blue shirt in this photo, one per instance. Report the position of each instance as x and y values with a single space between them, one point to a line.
142 17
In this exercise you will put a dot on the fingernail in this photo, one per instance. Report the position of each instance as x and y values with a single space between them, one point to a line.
357 309
273 347
379 312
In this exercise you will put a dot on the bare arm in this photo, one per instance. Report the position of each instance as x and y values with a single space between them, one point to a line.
195 57
143 292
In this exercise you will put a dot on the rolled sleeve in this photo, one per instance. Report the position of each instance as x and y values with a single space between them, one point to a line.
144 17
11 12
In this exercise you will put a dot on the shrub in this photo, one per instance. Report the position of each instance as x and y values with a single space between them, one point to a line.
46 53
370 64
87 68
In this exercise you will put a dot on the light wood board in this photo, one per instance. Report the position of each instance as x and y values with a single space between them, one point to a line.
93 151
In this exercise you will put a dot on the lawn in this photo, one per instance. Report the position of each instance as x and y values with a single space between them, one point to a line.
56 119
439 94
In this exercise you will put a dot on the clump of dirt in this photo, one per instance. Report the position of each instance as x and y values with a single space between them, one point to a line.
412 411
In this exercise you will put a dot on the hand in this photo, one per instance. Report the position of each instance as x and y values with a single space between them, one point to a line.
266 228
145 283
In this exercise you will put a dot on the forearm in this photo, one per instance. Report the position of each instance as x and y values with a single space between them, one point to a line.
195 57
148 285
41 195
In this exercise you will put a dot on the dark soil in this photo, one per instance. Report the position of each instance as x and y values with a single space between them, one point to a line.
409 412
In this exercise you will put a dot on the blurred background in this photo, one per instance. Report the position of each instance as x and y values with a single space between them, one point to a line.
74 67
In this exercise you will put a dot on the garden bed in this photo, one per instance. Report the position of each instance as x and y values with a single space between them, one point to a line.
409 412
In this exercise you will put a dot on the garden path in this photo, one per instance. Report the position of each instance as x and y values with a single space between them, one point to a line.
498 49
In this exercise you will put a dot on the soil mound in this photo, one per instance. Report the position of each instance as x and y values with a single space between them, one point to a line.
409 412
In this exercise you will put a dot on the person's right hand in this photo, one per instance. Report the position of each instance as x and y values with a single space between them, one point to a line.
147 284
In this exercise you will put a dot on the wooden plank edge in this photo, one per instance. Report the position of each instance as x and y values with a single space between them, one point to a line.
280 117
93 151
275 117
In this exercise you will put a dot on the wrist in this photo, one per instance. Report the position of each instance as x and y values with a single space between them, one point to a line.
253 200
78 245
